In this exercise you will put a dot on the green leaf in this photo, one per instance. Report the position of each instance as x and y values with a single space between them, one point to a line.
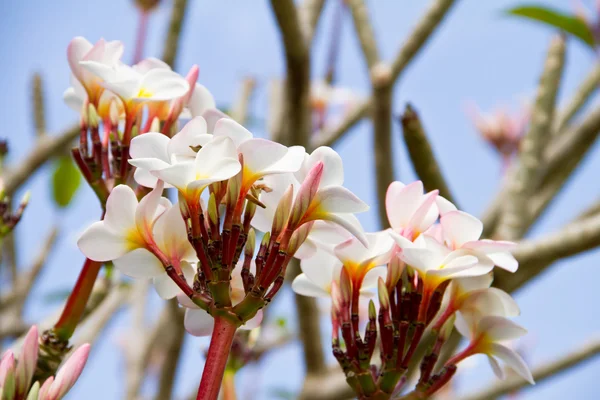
567 23
66 179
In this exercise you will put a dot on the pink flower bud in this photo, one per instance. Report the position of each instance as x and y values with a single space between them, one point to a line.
7 367
27 362
384 298
69 373
306 194
282 212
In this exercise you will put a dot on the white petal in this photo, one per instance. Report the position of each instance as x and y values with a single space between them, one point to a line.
505 261
146 211
194 133
201 101
260 155
444 205
77 49
463 326
422 260
226 127
402 201
474 283
150 145
426 214
499 328
170 234
120 209
338 199
73 99
150 63
400 240
333 168
146 179
178 175
139 263
165 287
498 371
305 287
100 243
371 278
350 223
514 361
320 268
217 160
164 84
198 322
460 227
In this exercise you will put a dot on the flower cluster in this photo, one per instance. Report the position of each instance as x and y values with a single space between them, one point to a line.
428 274
228 183
16 375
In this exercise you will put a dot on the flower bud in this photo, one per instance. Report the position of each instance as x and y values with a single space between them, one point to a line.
34 392
7 375
282 211
306 194
69 372
336 299
92 117
250 243
27 362
183 207
233 191
394 272
213 213
346 285
384 298
155 125
298 237
114 113
447 328
372 311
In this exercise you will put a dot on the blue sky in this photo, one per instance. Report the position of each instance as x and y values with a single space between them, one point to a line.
478 55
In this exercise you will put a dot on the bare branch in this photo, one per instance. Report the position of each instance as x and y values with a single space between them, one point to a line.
310 11
364 29
578 100
417 39
550 369
330 385
421 154
39 117
45 148
239 110
522 184
174 32
535 255
297 84
172 344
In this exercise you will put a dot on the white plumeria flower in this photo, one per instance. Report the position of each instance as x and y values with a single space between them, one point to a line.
332 202
154 151
200 323
76 98
485 333
135 88
462 231
409 211
436 263
216 161
324 267
261 157
102 53
141 238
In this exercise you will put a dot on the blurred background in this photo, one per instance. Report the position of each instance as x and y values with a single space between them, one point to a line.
478 56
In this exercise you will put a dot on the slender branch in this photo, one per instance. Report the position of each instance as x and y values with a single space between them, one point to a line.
364 29
172 348
239 110
582 95
421 154
541 373
415 42
39 117
174 32
330 385
382 135
522 184
45 148
296 110
310 11
535 255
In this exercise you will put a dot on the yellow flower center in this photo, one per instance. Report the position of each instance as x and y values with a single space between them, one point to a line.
143 93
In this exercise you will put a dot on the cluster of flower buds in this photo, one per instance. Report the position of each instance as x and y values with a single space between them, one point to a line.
229 184
429 276
9 218
16 375
118 102
502 130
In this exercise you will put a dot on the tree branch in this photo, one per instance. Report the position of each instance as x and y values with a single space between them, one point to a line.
560 365
45 148
174 32
239 109
310 11
171 346
364 30
522 185
415 42
421 154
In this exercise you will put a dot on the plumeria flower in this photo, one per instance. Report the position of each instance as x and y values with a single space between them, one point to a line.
323 268
135 88
474 298
109 105
200 323
141 238
15 377
216 161
409 211
484 334
103 53
462 231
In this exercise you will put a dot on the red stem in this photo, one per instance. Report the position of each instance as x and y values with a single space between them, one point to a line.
75 306
218 352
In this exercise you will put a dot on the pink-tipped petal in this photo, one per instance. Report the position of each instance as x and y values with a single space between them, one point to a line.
460 228
69 373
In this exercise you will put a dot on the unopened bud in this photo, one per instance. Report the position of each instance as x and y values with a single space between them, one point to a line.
213 213
183 207
384 298
306 194
336 298
7 375
298 238
155 125
92 116
27 362
447 328
114 113
394 272
233 190
34 392
266 239
249 211
372 310
282 211
346 285
250 243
